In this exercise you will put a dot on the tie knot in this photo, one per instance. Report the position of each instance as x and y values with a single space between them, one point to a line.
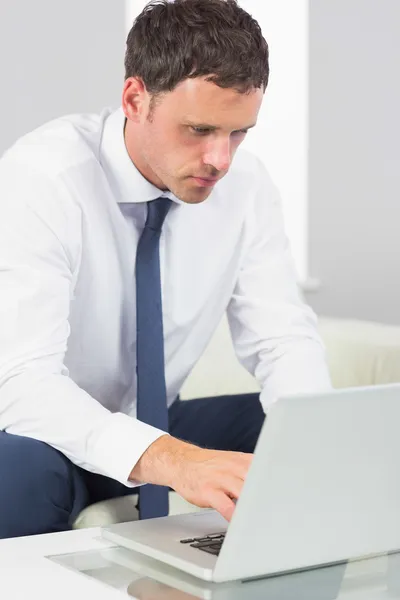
157 210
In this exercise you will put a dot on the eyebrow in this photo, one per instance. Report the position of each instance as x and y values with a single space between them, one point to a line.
214 127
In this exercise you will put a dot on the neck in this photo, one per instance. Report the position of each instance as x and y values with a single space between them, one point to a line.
132 145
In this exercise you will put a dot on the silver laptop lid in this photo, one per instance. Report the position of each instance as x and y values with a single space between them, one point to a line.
324 485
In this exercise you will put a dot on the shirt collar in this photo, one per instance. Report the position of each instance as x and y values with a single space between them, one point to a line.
126 180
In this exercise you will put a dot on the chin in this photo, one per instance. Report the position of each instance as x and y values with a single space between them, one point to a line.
191 195
194 198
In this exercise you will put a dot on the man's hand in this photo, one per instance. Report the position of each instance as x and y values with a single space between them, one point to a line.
207 478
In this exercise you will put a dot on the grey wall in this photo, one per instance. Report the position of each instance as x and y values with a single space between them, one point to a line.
354 158
57 58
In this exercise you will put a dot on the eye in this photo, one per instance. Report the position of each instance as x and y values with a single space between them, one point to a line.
200 130
205 131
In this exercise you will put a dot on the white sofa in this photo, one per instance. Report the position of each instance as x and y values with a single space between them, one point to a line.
358 353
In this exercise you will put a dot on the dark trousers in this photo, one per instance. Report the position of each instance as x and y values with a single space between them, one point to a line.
41 491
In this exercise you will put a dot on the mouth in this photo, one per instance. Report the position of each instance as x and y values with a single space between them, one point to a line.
206 181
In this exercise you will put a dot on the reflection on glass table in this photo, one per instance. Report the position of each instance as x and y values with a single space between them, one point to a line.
146 579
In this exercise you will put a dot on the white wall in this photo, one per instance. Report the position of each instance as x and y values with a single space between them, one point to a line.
354 160
57 58
281 135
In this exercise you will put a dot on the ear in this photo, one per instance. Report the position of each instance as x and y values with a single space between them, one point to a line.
134 99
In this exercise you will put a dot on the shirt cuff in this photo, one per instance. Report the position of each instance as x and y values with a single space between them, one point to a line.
118 444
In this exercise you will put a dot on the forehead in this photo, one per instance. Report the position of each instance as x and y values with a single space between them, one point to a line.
200 100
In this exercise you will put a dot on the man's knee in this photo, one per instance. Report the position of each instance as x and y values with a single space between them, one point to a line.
40 490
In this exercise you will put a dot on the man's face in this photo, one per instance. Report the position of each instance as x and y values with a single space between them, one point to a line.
187 143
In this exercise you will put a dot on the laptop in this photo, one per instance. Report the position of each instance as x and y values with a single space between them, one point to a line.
323 488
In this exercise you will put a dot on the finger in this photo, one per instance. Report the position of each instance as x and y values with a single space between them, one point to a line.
231 485
222 503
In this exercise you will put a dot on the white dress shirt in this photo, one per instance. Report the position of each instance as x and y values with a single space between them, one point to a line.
72 208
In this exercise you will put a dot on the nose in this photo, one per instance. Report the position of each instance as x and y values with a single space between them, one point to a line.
218 154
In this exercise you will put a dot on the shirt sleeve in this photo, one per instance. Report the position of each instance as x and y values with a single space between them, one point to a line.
274 332
40 240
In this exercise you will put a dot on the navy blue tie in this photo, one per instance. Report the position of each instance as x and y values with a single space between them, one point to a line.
151 389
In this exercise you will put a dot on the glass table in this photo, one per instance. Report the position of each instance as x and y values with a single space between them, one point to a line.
136 576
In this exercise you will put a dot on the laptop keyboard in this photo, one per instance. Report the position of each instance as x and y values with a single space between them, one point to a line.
211 543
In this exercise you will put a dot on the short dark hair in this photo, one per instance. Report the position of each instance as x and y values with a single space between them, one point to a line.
172 41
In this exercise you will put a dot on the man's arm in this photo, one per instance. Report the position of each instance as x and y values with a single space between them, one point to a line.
39 257
38 399
273 330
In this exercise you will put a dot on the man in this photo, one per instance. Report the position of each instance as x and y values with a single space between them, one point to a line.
123 239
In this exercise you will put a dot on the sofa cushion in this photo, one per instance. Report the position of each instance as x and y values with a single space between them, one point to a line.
360 352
